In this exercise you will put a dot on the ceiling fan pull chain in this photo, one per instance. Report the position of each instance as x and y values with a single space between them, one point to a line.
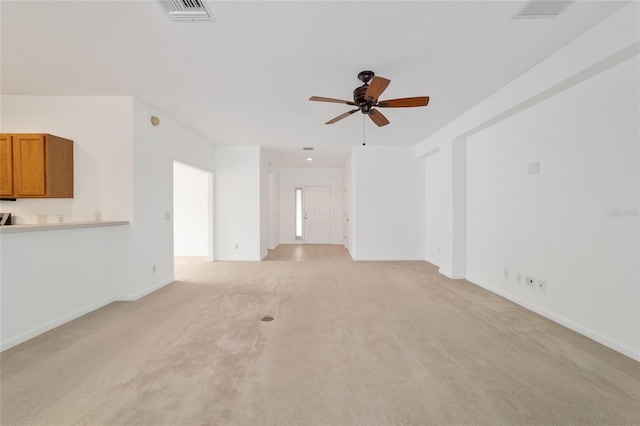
364 139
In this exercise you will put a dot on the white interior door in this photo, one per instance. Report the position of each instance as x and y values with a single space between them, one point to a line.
317 215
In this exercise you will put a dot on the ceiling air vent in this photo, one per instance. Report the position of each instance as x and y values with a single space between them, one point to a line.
186 10
542 9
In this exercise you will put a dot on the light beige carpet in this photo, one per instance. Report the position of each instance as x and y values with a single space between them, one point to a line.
309 253
352 343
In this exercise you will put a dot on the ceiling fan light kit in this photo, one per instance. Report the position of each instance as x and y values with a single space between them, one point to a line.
365 98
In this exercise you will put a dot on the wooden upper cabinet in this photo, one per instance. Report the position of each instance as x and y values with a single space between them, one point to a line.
29 163
6 166
41 166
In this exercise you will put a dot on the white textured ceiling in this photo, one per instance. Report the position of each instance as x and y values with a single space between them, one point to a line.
245 78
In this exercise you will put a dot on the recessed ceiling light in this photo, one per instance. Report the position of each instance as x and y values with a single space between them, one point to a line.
309 159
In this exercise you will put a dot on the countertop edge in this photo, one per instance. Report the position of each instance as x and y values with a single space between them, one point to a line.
15 229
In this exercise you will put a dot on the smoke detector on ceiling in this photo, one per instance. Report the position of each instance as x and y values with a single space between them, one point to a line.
542 9
186 10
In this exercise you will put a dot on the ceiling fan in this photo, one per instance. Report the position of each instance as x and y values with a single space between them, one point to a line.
365 98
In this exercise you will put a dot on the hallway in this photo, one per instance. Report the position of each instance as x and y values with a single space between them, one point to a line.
309 253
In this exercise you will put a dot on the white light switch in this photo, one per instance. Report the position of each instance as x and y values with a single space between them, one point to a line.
534 168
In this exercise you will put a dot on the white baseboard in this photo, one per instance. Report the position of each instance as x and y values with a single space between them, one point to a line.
224 259
386 259
136 296
14 341
565 322
450 275
301 242
432 261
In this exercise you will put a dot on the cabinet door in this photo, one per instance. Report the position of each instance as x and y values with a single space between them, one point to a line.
29 165
6 165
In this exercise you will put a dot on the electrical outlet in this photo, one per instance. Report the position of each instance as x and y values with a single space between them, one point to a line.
542 286
530 282
167 216
60 218
153 268
237 246
519 278
42 219
98 215
506 273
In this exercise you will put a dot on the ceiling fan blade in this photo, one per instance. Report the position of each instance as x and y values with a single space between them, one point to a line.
404 102
341 116
376 87
377 117
335 101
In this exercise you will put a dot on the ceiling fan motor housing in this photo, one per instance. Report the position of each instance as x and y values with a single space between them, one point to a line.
359 98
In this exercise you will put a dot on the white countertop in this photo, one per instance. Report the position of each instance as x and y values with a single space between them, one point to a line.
11 229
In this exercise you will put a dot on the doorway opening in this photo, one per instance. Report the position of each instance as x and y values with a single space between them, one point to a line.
192 212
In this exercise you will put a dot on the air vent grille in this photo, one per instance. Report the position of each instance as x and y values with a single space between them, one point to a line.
308 148
190 10
542 8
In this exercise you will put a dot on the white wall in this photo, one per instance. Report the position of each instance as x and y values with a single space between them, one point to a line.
191 209
155 150
606 44
274 206
349 202
554 225
433 212
49 278
101 128
237 203
292 178
123 167
389 188
264 203
560 84
52 277
352 208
